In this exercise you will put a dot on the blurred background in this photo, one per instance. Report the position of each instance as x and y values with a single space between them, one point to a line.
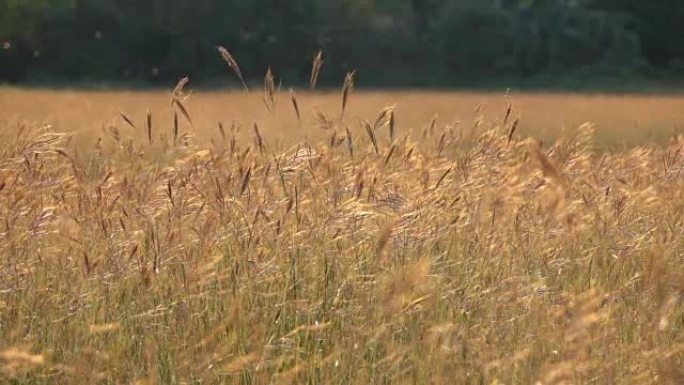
392 43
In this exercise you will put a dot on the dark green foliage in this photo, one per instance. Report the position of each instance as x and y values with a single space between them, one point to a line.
163 40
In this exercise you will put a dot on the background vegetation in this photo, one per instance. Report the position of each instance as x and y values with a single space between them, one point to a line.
436 41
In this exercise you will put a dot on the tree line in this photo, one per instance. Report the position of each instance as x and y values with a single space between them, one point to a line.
388 41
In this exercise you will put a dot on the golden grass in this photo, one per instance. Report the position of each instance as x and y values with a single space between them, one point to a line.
391 248
620 120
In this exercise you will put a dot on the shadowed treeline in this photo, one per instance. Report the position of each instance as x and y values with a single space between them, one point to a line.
398 42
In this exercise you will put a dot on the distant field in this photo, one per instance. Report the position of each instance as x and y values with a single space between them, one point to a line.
620 120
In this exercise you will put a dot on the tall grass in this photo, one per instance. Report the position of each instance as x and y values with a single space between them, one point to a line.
445 255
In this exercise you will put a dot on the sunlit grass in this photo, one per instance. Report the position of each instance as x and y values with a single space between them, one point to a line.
620 120
460 252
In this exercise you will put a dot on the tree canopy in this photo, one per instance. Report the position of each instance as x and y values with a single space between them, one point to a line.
387 40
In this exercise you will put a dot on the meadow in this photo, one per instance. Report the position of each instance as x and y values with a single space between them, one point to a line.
407 238
620 120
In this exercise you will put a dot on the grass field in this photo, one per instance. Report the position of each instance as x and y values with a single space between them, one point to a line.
400 250
620 120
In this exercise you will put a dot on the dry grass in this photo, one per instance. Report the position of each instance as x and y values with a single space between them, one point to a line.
620 120
369 254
